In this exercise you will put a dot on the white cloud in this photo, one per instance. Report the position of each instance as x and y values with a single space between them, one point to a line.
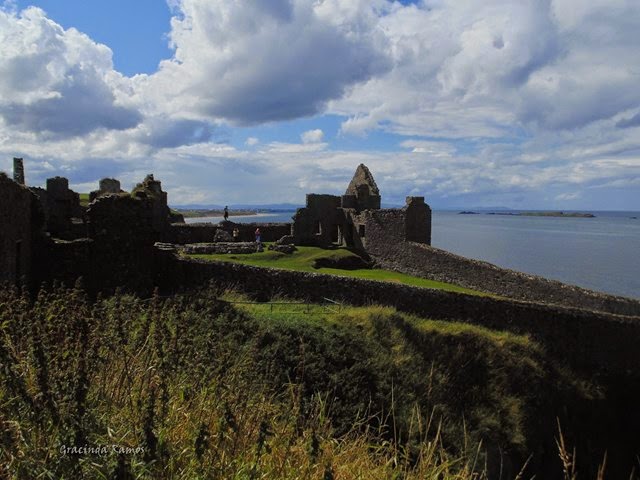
466 69
281 147
58 82
312 136
497 101
253 62
434 149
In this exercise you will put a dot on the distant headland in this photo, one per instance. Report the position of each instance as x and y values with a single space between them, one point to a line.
535 214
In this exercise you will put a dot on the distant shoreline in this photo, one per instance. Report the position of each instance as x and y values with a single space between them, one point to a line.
198 213
535 214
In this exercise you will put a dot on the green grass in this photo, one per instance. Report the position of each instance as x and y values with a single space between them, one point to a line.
287 310
210 389
84 199
304 258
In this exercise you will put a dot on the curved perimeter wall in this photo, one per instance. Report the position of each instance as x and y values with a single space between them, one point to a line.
586 339
387 246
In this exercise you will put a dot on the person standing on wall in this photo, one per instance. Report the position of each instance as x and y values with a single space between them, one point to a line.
226 213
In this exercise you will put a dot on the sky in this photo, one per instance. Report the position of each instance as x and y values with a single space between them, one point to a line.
526 104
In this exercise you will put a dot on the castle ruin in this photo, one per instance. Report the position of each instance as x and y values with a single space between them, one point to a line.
355 219
48 234
131 240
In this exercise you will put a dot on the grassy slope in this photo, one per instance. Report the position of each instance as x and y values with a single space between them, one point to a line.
213 389
303 261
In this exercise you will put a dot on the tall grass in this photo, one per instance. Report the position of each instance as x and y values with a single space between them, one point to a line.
193 387
127 388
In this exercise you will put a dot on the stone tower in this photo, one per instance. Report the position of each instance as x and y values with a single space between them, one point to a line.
18 170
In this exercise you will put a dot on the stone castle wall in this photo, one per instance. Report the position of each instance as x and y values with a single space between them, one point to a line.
317 223
21 222
589 340
432 263
183 233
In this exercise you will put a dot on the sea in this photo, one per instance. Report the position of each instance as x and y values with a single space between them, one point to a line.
601 253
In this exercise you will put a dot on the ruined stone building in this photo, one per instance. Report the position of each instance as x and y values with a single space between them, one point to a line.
46 234
21 227
356 220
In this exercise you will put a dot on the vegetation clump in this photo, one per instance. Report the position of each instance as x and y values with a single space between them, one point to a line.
211 385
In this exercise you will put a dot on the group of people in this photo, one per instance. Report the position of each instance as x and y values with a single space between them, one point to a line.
236 235
236 232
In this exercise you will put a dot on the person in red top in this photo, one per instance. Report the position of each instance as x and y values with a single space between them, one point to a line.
258 235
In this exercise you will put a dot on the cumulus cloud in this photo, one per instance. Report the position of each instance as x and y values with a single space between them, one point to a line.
312 136
469 69
254 62
58 82
498 102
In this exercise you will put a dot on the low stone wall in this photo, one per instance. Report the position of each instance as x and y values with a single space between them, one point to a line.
183 233
587 340
219 247
270 231
66 261
432 263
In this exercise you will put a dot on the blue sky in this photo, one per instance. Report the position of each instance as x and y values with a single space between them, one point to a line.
517 103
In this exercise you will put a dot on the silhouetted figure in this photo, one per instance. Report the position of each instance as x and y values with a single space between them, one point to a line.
259 240
226 213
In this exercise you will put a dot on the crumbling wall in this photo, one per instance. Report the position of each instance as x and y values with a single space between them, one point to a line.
151 189
362 192
67 260
269 232
587 340
106 186
62 204
18 171
381 228
417 220
21 222
435 264
318 222
123 231
182 234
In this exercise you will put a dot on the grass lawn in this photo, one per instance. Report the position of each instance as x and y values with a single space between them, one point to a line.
327 314
84 199
303 260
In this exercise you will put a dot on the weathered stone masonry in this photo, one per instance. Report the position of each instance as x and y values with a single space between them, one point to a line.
111 243
21 230
355 217
590 340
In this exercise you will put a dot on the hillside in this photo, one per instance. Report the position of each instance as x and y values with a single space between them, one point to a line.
211 384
